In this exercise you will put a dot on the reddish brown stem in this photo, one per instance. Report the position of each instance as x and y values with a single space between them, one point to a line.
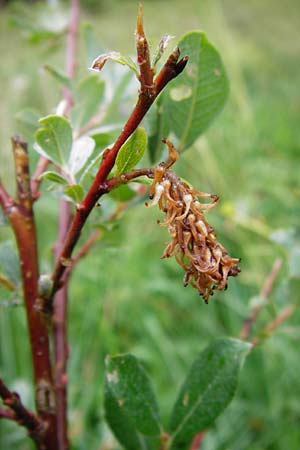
61 297
36 180
21 216
274 324
60 337
18 413
169 71
86 247
6 201
71 51
264 295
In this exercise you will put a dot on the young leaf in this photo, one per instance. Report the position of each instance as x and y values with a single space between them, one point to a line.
130 386
132 151
54 139
124 60
163 44
54 177
88 96
207 390
82 149
197 96
59 76
74 192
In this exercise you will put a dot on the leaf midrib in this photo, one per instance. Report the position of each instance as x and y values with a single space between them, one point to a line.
196 405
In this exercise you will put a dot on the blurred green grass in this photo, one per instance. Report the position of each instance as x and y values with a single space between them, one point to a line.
126 298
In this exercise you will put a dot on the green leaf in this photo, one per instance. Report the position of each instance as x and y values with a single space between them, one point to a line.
82 149
120 423
9 262
132 151
74 192
124 60
54 177
59 76
197 96
207 390
54 139
130 386
88 96
163 44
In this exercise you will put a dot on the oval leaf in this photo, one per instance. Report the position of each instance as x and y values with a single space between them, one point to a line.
54 139
132 151
124 60
82 149
195 98
207 390
130 386
54 177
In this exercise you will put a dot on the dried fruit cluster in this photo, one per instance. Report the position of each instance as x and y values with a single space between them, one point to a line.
194 243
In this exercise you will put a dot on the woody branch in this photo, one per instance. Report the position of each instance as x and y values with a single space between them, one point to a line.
60 304
20 214
17 412
171 69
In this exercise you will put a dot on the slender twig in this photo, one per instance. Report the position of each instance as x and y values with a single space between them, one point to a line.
264 295
117 181
92 123
274 324
6 201
84 249
94 237
170 70
60 337
18 413
21 217
65 217
36 179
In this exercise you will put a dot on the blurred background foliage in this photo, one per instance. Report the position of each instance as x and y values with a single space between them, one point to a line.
123 297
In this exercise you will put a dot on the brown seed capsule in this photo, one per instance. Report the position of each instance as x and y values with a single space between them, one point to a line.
194 243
